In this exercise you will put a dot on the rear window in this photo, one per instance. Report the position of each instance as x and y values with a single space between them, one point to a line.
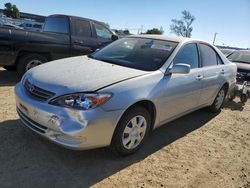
56 25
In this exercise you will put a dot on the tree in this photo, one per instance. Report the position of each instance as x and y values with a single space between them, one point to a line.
11 10
154 31
183 27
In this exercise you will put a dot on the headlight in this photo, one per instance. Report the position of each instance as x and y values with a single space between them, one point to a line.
81 101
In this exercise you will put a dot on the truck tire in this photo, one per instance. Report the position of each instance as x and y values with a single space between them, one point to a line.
10 68
29 61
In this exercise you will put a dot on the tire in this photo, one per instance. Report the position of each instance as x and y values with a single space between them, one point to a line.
243 98
231 96
29 61
126 139
218 101
10 68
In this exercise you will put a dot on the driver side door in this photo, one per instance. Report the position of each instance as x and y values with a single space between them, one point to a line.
181 92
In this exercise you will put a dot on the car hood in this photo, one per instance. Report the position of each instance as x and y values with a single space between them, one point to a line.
79 74
243 66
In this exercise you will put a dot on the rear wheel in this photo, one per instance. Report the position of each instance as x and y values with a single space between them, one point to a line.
219 100
10 68
29 61
131 131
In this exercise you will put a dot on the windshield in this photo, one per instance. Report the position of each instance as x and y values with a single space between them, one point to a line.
139 53
240 56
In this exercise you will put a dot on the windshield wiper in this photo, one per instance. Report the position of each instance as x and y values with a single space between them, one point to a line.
91 56
108 60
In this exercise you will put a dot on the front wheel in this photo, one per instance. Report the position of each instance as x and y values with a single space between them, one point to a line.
219 100
29 61
131 131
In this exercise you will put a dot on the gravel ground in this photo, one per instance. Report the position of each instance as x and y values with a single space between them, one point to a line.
198 150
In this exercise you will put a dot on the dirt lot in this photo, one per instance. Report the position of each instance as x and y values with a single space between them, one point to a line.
198 150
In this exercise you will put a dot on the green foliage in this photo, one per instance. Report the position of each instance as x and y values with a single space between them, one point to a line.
183 27
11 11
155 31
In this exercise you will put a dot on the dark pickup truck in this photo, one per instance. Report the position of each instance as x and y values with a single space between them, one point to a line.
62 36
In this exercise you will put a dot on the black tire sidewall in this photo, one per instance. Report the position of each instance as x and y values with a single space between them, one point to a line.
23 61
213 106
116 144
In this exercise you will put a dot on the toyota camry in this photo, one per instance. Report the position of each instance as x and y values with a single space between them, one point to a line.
116 96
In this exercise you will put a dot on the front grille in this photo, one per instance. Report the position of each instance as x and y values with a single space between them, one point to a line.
30 123
37 92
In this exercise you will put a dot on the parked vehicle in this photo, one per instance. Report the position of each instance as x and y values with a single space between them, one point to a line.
117 95
242 60
11 26
32 26
226 51
62 36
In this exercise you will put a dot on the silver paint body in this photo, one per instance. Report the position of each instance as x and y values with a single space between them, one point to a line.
173 95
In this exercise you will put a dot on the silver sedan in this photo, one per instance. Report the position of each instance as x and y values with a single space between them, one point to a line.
117 95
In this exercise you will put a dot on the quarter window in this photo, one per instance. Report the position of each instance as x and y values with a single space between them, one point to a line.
102 32
208 55
82 28
188 55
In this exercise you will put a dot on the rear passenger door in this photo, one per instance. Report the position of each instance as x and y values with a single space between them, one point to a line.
82 39
213 73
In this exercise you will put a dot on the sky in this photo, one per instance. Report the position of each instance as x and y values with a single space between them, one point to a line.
229 18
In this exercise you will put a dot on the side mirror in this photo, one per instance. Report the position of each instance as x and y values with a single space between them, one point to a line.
114 37
180 68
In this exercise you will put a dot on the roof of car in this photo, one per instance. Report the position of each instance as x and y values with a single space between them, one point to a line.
69 16
164 37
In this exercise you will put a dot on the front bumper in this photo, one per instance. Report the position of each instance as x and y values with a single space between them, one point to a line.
74 129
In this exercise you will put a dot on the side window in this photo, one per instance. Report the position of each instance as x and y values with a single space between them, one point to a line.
56 25
208 55
188 55
102 32
82 28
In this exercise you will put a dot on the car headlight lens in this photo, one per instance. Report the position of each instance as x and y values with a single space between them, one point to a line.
82 101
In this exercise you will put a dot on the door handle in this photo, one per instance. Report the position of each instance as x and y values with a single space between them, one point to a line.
78 42
222 71
199 77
